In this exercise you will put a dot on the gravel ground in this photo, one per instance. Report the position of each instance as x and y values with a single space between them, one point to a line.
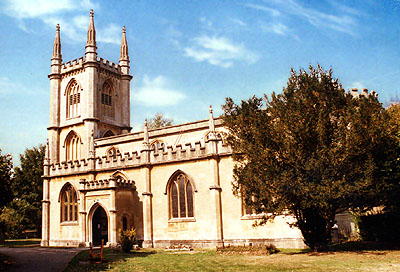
38 259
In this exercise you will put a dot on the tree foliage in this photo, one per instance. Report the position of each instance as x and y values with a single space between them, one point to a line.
159 121
5 185
6 168
25 210
312 152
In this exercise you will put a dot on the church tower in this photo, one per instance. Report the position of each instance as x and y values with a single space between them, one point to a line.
89 98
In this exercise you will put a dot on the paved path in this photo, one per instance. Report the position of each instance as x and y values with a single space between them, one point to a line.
38 259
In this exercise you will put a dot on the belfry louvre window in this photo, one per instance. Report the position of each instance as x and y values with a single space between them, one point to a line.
180 197
73 100
69 205
106 100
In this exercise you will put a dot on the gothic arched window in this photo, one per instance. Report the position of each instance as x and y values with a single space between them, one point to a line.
69 204
106 100
72 146
73 99
180 194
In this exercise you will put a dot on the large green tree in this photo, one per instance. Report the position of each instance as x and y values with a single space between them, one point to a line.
5 185
24 212
311 152
159 121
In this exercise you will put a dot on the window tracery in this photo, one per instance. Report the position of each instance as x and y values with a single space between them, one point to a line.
72 146
69 204
73 99
181 197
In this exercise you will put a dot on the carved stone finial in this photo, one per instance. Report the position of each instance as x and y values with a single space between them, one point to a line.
146 133
124 57
91 13
58 27
211 120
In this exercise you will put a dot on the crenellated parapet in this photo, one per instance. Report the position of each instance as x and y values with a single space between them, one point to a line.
109 65
77 65
134 159
107 184
127 159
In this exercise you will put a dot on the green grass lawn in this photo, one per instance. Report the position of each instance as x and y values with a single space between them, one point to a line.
209 260
32 242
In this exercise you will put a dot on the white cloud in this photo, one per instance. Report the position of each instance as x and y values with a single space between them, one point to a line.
111 34
279 28
219 51
156 92
238 22
72 15
273 12
342 23
23 9
8 86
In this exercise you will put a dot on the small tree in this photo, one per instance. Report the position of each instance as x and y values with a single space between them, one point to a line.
312 152
159 121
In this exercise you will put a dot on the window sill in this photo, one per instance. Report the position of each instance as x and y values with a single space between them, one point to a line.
73 117
182 220
69 223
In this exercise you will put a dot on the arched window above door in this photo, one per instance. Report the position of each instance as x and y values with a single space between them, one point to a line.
69 204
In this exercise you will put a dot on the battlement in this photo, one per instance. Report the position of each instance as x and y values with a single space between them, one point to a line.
354 92
74 65
107 184
109 65
78 64
146 156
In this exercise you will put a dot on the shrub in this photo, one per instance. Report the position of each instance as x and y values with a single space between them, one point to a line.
127 239
382 227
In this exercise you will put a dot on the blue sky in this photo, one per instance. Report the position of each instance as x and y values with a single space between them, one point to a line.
187 55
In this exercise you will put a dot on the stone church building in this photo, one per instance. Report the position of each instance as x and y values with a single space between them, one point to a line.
173 184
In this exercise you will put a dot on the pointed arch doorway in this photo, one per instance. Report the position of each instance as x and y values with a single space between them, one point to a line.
99 226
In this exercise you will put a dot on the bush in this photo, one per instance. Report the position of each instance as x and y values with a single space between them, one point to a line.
127 239
382 227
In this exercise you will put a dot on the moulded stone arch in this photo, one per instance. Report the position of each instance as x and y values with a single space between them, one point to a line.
70 82
120 173
89 221
110 83
72 144
68 200
174 175
63 189
108 133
